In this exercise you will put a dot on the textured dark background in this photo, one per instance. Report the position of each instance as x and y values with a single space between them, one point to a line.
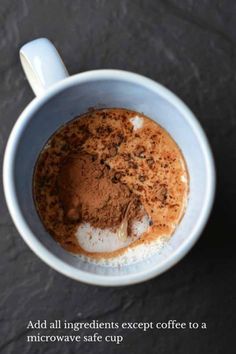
189 46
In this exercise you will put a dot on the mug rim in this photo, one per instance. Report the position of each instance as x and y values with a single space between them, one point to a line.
31 239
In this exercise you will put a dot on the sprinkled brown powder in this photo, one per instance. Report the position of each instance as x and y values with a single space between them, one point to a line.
94 165
88 193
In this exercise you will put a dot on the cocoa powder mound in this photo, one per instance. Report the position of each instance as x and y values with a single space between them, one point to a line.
91 192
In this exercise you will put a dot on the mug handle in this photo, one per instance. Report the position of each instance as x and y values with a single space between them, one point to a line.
42 65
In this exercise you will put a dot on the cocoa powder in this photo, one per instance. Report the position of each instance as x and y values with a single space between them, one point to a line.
88 193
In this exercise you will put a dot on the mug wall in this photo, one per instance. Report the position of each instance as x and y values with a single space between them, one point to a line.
76 100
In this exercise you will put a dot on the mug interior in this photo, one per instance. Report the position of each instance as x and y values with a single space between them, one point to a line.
155 102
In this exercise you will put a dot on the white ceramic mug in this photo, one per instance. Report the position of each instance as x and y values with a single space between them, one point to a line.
59 98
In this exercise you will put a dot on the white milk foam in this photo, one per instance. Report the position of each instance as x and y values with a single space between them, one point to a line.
132 254
93 239
96 240
137 122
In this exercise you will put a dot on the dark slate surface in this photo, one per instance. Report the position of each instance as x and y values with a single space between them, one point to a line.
189 46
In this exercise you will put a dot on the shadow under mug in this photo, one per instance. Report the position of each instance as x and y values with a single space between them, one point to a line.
59 99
